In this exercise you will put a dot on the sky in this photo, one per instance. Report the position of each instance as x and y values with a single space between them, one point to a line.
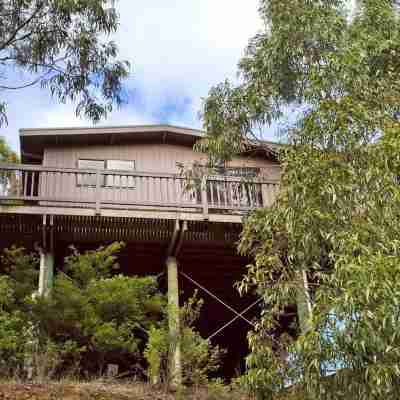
178 50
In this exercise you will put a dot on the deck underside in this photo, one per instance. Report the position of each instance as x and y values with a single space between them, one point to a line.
207 255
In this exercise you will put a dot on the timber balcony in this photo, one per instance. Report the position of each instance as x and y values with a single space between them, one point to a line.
46 190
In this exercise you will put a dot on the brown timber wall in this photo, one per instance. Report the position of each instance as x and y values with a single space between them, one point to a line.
148 157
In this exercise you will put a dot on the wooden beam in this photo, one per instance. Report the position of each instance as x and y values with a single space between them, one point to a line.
174 238
181 237
139 212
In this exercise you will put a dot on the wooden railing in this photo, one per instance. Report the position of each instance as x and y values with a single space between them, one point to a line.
47 186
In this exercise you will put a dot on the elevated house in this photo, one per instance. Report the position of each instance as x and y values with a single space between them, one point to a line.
90 186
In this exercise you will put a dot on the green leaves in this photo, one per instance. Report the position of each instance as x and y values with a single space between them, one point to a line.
94 264
108 314
338 214
63 46
199 357
92 316
6 153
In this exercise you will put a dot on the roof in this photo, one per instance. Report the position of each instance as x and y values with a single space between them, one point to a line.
34 141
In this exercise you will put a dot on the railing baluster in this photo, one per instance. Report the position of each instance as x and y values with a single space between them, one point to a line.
54 185
15 176
32 181
175 192
219 187
148 188
204 201
25 173
123 189
259 195
98 194
211 185
167 185
248 194
161 189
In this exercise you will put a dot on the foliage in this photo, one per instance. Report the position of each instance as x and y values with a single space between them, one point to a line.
21 270
18 277
93 315
8 180
199 357
156 354
337 215
13 326
217 390
6 153
106 315
61 45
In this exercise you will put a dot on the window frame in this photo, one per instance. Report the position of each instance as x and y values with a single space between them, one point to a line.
80 176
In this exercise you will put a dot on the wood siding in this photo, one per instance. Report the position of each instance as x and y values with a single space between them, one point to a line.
148 157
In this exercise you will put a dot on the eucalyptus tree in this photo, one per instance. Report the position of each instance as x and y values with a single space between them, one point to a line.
64 47
6 153
330 243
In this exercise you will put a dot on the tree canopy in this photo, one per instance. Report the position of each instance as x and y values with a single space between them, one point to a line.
337 216
62 46
6 153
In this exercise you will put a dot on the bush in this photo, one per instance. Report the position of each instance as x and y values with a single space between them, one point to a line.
199 357
107 316
13 338
21 270
93 317
18 277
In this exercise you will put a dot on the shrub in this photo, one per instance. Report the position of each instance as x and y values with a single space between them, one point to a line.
199 357
18 273
106 314
21 269
13 328
93 317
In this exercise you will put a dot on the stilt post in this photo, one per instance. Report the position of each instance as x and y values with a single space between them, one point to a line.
46 272
175 365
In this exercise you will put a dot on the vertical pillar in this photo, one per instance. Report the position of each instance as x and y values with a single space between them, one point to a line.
46 272
175 366
304 310
266 194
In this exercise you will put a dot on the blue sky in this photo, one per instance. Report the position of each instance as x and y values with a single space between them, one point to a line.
178 49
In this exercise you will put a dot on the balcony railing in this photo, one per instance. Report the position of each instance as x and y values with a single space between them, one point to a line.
46 186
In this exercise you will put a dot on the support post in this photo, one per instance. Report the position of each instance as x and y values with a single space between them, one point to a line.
175 366
304 309
46 272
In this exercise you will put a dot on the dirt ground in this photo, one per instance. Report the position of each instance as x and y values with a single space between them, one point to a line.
81 391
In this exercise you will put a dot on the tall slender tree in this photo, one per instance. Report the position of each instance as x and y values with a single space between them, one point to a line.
6 153
330 242
62 46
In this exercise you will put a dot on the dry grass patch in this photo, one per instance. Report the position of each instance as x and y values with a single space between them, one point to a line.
103 390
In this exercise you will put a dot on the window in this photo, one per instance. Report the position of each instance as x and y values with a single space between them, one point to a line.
112 180
89 179
120 180
242 172
241 191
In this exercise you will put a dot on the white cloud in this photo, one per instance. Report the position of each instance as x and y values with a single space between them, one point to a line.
178 50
